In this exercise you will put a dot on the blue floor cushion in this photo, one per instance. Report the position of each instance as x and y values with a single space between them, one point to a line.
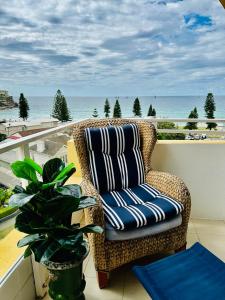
189 275
138 206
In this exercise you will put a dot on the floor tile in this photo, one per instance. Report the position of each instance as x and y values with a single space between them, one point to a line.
192 238
214 243
85 262
191 228
133 289
89 269
113 292
210 227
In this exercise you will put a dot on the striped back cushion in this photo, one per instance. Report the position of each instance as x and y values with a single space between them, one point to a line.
114 156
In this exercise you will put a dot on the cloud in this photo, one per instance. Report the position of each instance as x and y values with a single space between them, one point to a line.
8 20
54 20
61 59
155 46
89 53
33 48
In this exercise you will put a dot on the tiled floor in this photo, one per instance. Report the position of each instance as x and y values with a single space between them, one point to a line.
123 284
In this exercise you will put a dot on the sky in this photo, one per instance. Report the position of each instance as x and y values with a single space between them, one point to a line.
112 47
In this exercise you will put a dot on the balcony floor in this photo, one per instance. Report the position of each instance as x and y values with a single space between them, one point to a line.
123 284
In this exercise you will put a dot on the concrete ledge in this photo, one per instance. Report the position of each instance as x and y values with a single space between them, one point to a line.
187 142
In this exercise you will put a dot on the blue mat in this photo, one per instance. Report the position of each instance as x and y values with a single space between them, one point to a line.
188 275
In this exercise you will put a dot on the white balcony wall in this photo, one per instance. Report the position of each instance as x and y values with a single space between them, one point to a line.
19 284
201 164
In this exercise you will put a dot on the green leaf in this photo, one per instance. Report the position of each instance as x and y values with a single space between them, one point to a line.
85 202
34 165
92 229
29 239
70 242
45 186
27 252
63 174
51 169
70 173
23 170
61 206
19 189
61 178
34 187
30 223
39 248
70 190
50 251
20 199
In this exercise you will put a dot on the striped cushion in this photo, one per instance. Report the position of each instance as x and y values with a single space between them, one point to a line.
114 156
138 206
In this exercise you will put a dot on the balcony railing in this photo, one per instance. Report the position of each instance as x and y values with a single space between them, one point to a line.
23 143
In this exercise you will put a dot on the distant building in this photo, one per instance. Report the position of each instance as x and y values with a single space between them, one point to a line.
10 128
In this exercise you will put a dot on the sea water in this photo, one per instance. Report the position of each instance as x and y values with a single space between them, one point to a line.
82 107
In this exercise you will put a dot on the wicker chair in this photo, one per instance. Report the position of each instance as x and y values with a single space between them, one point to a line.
109 255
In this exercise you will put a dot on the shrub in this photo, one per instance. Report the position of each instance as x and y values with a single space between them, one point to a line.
169 136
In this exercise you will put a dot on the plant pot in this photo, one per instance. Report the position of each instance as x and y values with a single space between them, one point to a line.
67 281
7 221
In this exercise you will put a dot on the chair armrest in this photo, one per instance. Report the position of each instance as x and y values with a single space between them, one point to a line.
168 184
173 187
93 214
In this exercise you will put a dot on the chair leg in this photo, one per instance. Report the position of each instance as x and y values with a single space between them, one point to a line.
103 279
182 248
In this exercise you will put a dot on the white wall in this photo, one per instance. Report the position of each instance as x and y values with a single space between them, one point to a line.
201 165
19 284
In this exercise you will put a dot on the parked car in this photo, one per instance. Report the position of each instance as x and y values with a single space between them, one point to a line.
203 136
191 136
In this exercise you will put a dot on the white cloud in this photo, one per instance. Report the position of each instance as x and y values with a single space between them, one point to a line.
111 43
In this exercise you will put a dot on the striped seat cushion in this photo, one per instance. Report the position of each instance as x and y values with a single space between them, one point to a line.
138 206
114 157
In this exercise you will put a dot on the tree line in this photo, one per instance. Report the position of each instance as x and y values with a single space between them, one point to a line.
209 107
117 113
61 112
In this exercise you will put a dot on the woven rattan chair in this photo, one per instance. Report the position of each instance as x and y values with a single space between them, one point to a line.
109 255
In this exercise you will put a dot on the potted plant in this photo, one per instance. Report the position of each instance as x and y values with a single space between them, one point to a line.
46 206
7 213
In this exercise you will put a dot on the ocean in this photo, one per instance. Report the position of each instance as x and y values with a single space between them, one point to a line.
82 107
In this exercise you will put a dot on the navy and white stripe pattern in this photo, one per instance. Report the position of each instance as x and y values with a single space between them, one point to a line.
114 156
138 206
